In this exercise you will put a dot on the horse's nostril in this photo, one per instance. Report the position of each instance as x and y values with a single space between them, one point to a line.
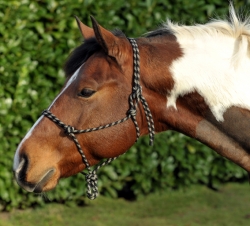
20 172
21 169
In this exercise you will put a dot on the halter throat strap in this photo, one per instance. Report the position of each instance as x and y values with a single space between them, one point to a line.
134 98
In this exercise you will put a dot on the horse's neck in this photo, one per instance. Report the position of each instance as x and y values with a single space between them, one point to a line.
209 98
204 70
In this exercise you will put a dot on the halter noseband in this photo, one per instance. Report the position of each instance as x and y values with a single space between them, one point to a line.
134 98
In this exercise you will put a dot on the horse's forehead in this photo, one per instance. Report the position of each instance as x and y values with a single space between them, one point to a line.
99 68
96 63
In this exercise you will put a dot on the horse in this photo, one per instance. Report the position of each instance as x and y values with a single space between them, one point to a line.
191 79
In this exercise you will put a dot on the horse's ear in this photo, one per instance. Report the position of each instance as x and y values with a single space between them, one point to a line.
106 39
86 31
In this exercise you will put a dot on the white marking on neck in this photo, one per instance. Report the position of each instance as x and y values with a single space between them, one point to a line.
217 67
215 63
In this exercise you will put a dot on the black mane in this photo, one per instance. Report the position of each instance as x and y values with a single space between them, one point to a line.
80 55
159 32
83 52
90 46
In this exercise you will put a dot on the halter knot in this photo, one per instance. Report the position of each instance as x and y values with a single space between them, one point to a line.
132 112
136 91
92 188
69 130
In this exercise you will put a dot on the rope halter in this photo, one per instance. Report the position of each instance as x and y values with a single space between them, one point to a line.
134 98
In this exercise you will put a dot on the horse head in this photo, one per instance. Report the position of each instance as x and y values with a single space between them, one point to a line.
99 82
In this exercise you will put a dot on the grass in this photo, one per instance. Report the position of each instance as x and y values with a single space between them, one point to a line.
194 207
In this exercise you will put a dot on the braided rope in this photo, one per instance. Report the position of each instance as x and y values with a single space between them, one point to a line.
134 98
138 90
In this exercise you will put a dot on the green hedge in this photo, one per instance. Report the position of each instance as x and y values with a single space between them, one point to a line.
35 39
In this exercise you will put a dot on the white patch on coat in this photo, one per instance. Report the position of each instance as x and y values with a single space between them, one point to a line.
215 63
16 158
72 79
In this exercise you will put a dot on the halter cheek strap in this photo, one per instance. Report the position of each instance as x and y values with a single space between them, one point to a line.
134 98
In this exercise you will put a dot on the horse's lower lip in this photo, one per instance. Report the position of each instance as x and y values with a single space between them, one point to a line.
39 186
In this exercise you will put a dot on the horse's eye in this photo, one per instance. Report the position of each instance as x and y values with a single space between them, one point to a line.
86 92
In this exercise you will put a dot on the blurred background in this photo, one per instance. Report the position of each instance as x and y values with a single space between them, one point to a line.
36 37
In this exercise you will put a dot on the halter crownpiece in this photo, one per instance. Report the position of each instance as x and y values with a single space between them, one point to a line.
134 98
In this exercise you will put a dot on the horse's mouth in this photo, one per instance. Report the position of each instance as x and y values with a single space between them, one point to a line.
39 186
31 186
